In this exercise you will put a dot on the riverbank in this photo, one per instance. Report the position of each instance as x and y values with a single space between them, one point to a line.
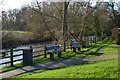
98 49
55 64
13 39
10 45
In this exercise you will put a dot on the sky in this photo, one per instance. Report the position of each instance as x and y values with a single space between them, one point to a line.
11 4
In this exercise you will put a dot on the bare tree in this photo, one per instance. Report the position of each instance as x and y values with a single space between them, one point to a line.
44 20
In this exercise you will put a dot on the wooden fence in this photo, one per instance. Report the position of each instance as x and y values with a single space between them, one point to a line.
38 51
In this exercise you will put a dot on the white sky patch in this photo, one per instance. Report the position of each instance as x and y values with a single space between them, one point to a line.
11 4
81 0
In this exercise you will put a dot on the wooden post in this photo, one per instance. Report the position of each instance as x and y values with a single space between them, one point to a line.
74 49
79 49
51 56
70 45
88 40
27 56
64 47
93 40
96 39
30 47
84 44
11 57
45 53
60 55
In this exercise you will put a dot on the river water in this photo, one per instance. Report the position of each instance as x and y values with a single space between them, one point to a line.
19 52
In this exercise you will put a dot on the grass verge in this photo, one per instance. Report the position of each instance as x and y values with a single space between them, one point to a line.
97 69
15 31
101 48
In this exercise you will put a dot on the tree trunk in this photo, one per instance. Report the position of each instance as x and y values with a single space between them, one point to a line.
65 37
65 21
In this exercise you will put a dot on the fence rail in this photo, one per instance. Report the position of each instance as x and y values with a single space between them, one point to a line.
37 51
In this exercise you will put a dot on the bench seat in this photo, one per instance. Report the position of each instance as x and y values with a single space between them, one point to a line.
77 46
57 51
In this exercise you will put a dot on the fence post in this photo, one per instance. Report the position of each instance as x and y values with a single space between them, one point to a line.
45 54
11 57
70 44
64 47
30 47
27 56
95 39
84 44
88 40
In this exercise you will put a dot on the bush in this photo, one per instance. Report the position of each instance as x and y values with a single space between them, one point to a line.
9 40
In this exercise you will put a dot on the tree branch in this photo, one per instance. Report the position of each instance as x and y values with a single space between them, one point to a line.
2 1
46 25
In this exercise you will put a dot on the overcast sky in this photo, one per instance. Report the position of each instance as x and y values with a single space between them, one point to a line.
11 4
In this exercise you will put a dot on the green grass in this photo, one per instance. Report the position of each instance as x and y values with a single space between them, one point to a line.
101 48
97 69
15 31
39 60
9 67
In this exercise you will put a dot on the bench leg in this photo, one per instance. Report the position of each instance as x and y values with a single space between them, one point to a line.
79 49
51 56
74 50
59 55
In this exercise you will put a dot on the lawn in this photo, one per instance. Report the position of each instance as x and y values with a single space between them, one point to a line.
95 49
105 47
96 69
15 31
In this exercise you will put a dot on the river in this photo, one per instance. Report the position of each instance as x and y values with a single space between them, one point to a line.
19 52
24 47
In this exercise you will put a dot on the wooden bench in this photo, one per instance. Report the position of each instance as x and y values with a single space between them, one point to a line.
55 49
75 45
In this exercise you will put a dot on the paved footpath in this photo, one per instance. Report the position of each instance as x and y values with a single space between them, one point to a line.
52 64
